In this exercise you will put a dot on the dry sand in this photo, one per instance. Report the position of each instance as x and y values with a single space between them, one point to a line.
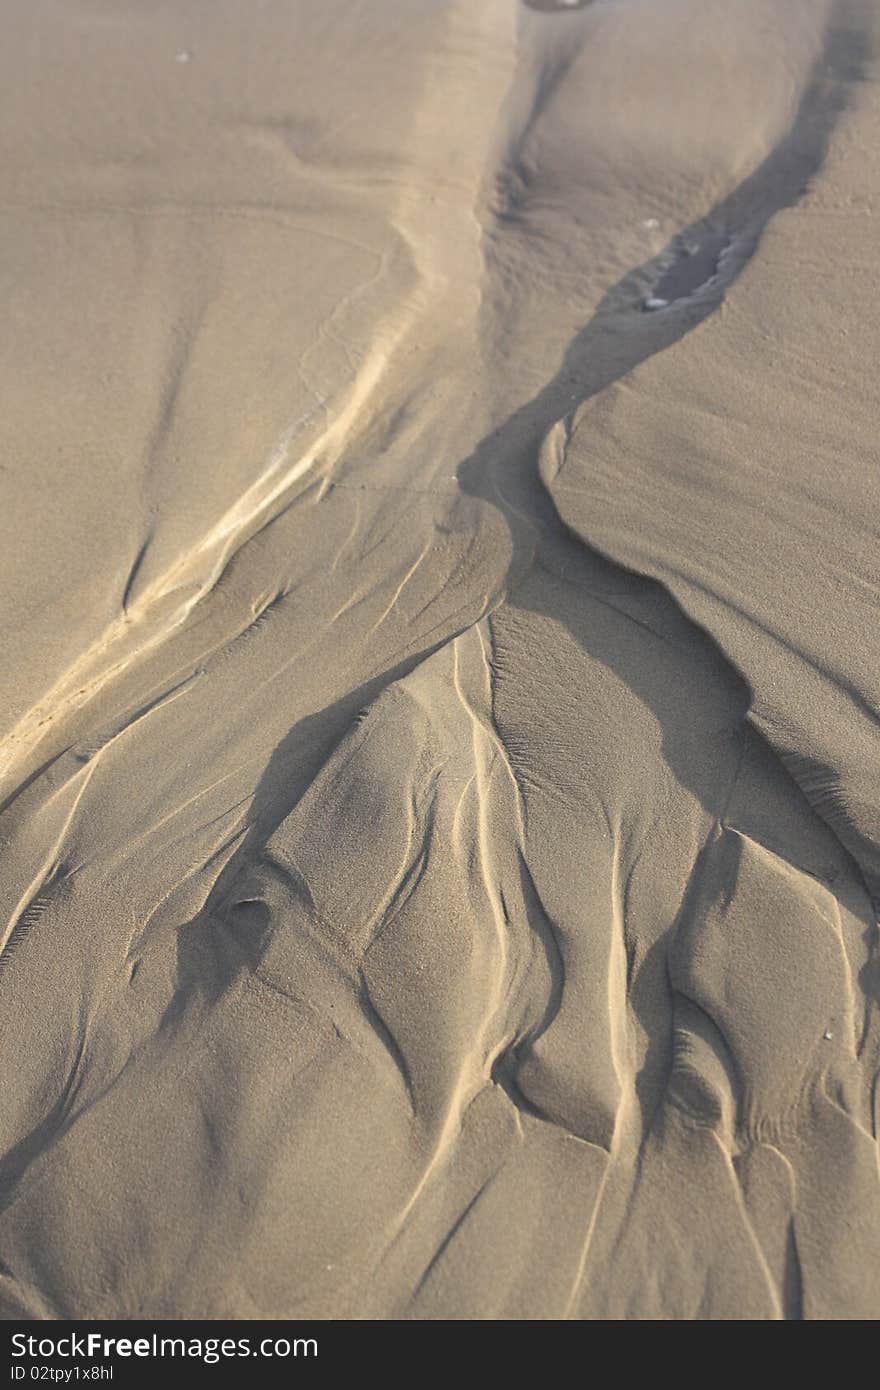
440 758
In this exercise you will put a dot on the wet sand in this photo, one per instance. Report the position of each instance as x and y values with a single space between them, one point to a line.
440 774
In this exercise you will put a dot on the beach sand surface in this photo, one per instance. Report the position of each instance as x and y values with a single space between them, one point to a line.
439 760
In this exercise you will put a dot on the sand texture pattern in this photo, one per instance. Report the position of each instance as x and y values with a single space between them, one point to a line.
440 714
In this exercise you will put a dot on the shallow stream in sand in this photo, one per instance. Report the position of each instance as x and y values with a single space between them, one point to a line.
438 589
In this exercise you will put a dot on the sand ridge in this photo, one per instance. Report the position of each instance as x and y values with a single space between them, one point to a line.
439 795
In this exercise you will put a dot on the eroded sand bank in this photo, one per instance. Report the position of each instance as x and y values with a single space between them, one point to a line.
441 788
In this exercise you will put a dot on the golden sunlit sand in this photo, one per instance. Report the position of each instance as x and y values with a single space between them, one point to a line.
439 724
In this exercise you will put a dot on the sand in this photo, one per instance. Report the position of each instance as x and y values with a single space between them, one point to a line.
439 720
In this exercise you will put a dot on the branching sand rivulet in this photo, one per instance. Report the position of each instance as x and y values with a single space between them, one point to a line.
440 820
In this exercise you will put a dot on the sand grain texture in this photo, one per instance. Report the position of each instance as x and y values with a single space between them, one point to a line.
439 723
